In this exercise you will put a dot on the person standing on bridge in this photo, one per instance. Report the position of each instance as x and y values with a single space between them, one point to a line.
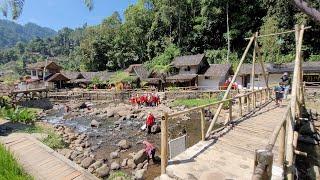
286 82
279 91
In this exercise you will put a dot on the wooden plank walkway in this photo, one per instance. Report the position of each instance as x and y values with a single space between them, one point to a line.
42 162
230 156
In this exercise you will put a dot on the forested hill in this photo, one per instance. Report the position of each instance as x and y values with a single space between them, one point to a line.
11 33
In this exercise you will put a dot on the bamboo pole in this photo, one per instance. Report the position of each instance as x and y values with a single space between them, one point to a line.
240 106
253 68
216 115
282 138
279 33
202 124
262 66
164 143
230 112
248 103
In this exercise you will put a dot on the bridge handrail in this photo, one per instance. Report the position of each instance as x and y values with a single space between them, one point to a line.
252 99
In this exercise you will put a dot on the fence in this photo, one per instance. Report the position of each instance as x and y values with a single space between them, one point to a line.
285 131
244 103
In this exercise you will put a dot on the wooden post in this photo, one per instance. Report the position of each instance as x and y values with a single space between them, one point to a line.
202 124
164 143
248 103
230 112
263 165
216 115
253 69
240 106
262 66
282 140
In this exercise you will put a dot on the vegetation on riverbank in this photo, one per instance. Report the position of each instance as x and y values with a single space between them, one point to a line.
193 102
9 168
119 175
22 115
53 140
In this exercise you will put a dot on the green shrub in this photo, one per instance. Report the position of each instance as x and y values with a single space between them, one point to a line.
22 115
54 141
193 102
9 168
117 174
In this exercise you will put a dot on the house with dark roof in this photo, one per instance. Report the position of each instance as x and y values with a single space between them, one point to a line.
45 74
144 75
311 73
215 76
188 68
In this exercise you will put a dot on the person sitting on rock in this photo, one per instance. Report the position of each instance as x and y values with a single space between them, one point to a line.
149 122
150 150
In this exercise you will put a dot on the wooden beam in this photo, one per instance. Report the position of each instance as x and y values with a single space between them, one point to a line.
202 124
229 87
262 65
279 33
164 143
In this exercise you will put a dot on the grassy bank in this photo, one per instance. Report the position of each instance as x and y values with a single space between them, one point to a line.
192 102
9 168
53 140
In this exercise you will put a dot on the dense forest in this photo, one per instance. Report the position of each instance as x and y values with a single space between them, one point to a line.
155 31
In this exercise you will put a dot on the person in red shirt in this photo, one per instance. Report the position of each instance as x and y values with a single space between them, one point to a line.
150 150
149 122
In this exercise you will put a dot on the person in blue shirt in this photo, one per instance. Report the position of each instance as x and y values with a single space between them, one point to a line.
279 91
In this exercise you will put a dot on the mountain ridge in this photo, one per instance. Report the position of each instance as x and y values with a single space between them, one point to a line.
12 32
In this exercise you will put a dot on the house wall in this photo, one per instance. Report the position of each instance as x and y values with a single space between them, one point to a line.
193 70
274 79
212 83
258 82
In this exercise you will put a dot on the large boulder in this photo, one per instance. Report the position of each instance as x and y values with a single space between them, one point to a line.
138 175
124 144
103 171
115 166
96 165
140 157
155 129
95 123
124 162
131 164
87 162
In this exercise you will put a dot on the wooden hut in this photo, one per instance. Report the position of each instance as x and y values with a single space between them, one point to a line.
215 76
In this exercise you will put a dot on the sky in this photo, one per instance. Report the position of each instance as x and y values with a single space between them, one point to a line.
57 14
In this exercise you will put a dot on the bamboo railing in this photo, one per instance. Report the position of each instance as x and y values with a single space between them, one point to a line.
262 96
285 130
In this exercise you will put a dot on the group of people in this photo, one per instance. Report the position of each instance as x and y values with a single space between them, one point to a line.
282 90
149 100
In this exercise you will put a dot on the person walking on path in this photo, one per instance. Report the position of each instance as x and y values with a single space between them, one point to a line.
149 122
286 82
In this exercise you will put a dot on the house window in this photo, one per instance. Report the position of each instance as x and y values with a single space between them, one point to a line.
206 77
187 68
256 77
33 73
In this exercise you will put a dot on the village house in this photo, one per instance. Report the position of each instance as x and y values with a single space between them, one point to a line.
44 74
187 70
311 73
215 76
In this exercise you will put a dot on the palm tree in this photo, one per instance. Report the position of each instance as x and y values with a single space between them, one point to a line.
15 7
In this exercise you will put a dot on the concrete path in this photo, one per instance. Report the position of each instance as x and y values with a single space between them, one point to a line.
42 162
230 156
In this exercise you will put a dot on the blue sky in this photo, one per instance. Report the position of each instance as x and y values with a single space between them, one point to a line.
57 14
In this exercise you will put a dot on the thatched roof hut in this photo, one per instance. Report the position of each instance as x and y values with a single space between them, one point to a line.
190 60
218 70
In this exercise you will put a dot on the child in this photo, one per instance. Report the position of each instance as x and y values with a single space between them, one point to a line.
150 150
279 90
149 122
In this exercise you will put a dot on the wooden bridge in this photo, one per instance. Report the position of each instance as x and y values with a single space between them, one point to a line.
258 139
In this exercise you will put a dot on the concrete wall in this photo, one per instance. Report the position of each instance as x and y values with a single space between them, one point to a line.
258 82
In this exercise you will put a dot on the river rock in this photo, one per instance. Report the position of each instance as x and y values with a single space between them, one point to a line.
95 123
124 162
139 157
114 155
145 166
124 144
131 164
123 113
97 164
103 171
138 175
110 113
74 154
79 148
114 166
87 162
155 129
139 166
72 136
